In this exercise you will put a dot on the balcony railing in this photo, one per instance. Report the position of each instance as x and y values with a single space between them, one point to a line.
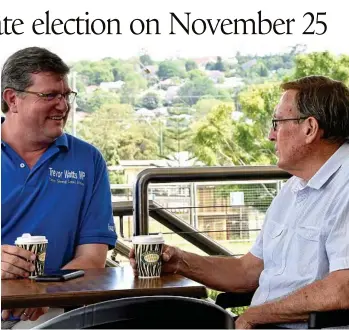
191 174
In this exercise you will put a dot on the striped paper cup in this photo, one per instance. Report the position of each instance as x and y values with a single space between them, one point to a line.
148 249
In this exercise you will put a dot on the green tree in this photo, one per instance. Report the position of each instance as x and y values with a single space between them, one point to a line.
145 59
322 63
169 69
94 101
150 101
177 133
196 74
220 66
114 131
190 65
204 106
134 84
196 88
220 140
258 103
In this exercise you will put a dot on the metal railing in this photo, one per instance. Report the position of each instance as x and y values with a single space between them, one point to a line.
191 174
172 222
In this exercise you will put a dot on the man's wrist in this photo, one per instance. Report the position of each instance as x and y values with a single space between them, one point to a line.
183 265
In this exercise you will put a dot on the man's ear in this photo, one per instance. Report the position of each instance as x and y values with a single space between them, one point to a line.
312 129
10 98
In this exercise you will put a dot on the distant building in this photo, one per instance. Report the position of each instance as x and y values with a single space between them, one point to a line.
113 86
90 89
145 113
161 112
202 61
131 168
249 64
172 93
215 75
231 82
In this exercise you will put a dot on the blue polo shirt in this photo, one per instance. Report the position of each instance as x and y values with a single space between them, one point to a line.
65 196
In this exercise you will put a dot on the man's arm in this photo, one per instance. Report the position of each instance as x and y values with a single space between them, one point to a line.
324 295
88 256
222 273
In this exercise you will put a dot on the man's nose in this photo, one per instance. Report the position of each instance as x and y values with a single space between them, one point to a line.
62 104
272 134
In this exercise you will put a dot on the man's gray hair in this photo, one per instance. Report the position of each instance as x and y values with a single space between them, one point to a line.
326 100
17 70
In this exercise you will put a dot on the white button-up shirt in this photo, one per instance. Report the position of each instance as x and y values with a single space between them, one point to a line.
305 234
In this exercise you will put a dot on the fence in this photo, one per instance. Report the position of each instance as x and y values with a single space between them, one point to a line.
231 213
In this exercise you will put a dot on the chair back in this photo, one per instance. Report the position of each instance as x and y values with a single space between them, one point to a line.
156 312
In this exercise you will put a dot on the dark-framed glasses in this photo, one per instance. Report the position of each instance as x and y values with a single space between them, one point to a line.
275 122
69 97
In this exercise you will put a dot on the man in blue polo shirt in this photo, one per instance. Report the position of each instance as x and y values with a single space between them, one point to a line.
53 184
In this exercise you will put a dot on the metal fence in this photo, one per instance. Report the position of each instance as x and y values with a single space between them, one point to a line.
232 213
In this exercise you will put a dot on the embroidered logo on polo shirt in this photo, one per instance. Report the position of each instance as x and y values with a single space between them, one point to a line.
67 176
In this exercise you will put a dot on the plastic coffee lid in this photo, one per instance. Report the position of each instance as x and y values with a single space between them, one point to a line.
29 239
148 239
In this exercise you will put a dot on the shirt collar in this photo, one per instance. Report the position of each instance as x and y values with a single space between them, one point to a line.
62 142
326 171
2 120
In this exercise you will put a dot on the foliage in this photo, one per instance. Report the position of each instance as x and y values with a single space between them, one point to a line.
258 103
196 74
190 65
113 130
177 133
323 63
169 69
204 106
94 101
219 65
212 133
150 101
236 310
145 59
219 140
116 177
134 84
196 88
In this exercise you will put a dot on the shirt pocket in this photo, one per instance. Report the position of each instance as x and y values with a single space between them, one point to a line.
308 249
275 247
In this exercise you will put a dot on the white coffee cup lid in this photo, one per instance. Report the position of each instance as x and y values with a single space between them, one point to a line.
29 239
148 239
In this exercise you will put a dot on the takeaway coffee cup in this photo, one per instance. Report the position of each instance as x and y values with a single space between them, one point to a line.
148 249
37 245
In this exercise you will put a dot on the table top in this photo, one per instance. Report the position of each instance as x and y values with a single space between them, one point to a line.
97 285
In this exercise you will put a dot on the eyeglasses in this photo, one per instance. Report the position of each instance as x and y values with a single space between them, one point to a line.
275 121
69 97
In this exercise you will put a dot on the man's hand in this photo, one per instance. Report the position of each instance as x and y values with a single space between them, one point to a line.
24 314
171 257
243 322
14 262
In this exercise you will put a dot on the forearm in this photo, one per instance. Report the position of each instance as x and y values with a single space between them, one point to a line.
328 294
88 256
219 273
84 262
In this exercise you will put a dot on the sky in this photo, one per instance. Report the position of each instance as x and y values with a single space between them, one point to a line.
163 45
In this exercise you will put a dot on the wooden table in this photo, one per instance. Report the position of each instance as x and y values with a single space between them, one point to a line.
97 285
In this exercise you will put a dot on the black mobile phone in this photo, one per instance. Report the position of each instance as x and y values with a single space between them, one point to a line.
60 276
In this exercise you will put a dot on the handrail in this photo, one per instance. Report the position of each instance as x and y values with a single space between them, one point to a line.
191 174
174 223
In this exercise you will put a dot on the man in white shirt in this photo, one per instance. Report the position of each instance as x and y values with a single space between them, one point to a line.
300 261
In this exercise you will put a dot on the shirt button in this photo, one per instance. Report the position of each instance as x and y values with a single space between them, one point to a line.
22 165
